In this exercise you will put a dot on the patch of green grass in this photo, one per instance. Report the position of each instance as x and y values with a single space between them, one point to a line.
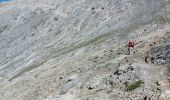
110 91
134 85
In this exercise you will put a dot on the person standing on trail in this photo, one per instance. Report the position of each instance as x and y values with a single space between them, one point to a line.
131 44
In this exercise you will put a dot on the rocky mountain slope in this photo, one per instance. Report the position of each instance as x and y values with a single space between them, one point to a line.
77 50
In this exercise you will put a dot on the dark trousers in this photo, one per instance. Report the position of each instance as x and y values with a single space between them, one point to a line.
128 50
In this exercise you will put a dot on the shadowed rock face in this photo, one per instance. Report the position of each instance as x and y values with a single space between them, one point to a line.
38 33
161 53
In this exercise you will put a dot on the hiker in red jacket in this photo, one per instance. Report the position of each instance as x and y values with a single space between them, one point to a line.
130 44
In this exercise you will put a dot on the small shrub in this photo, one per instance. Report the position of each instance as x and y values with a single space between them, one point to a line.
110 91
134 85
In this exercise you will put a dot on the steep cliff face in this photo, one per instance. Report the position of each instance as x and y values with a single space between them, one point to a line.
43 43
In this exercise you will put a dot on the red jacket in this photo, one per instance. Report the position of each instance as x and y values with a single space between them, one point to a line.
131 44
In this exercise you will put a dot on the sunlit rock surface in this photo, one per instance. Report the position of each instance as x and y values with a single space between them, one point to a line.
45 42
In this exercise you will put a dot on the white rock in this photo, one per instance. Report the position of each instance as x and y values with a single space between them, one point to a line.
123 68
165 96
72 77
